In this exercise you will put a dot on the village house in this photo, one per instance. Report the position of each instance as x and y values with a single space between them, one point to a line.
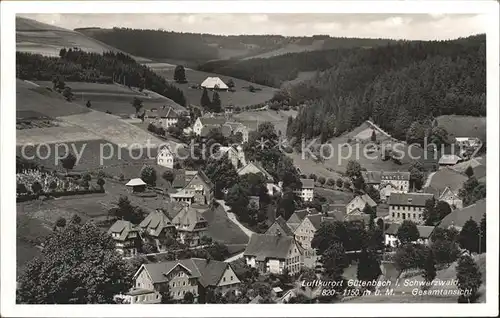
407 206
192 186
235 155
190 225
298 216
279 226
445 184
254 167
156 229
274 253
164 117
136 185
359 203
387 182
451 198
214 83
391 235
202 123
192 275
306 193
165 157
126 237
448 161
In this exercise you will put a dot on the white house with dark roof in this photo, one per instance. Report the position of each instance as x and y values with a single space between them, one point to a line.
359 203
306 192
407 206
391 235
126 237
192 275
274 253
165 157
163 117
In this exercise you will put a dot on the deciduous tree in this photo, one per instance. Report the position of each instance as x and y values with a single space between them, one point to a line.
78 265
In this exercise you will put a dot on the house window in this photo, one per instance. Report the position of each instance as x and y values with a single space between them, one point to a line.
231 277
393 214
173 284
398 215
183 283
404 216
414 215
224 279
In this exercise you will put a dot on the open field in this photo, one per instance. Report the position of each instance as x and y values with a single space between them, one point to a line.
111 128
334 196
278 118
290 48
114 98
463 126
336 165
53 135
29 97
40 38
241 97
88 153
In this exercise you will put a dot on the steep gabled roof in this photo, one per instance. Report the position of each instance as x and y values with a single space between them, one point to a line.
135 182
123 228
189 219
213 82
264 246
258 167
208 272
425 231
155 222
282 225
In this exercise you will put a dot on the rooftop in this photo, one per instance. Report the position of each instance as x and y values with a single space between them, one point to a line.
264 246
409 199
135 182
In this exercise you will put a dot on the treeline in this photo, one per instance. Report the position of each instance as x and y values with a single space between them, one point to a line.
276 70
75 65
157 43
395 86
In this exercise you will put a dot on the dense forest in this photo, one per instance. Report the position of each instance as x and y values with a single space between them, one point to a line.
75 65
395 86
201 48
276 70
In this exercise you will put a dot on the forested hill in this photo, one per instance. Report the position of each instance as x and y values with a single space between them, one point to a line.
75 65
398 86
196 48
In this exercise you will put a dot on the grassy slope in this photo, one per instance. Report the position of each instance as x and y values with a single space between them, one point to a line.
463 126
278 118
114 97
241 97
290 48
335 166
36 37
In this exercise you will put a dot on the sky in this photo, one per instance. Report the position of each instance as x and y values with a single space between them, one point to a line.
394 26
